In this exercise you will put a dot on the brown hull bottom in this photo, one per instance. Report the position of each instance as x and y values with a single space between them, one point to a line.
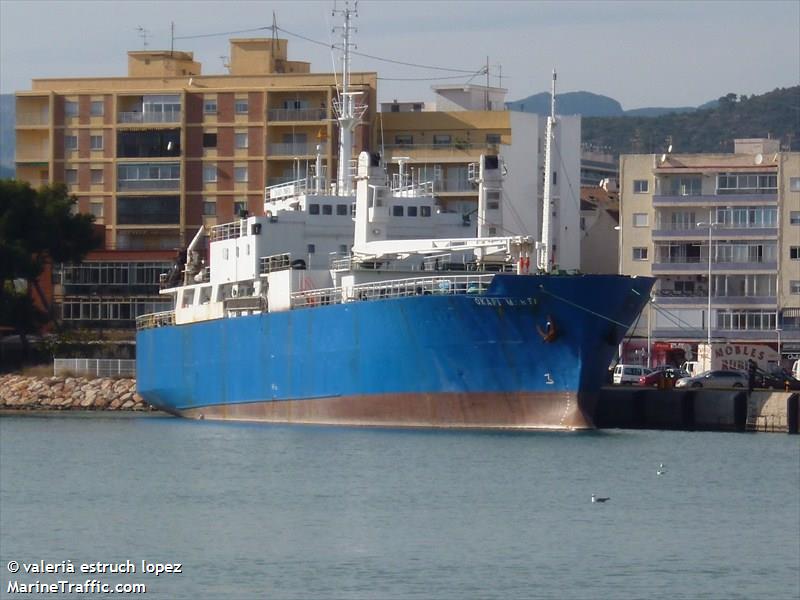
558 410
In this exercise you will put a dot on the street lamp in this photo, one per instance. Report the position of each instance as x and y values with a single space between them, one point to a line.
710 226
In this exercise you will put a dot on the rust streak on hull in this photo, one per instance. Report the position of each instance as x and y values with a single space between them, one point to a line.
552 410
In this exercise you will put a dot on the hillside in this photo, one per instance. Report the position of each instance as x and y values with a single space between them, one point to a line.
588 104
775 114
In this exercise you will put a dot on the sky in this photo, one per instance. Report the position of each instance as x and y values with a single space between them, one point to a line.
641 53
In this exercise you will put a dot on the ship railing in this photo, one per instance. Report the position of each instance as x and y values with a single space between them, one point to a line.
274 262
159 319
319 297
419 286
226 231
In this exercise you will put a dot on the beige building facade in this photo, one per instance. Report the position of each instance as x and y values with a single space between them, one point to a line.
157 153
735 217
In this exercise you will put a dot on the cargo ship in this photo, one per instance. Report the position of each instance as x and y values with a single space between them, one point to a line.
385 336
412 325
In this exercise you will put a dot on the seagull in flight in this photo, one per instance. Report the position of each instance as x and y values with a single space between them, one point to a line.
596 498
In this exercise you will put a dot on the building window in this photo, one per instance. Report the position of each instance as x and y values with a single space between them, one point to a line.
209 140
442 139
640 254
71 176
240 140
394 108
640 219
70 109
97 108
794 184
397 211
343 249
313 209
209 173
794 217
403 139
311 248
794 252
492 205
70 142
416 107
240 208
747 183
492 138
341 209
411 211
327 209
794 287
240 174
97 176
241 107
96 142
210 208
210 106
96 208
640 186
424 211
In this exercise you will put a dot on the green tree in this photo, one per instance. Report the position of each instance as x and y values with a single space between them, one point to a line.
37 227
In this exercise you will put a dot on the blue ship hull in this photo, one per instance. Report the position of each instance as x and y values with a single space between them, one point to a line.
482 361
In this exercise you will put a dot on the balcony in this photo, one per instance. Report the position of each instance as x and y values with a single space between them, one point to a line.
696 265
295 149
700 298
700 233
296 114
141 117
148 185
455 150
767 197
454 185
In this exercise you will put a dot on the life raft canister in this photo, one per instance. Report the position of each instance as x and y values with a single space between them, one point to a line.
549 333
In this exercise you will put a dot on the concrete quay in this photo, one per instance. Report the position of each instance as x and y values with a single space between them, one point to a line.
631 407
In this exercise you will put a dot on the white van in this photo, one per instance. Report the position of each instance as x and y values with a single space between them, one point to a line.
796 369
628 374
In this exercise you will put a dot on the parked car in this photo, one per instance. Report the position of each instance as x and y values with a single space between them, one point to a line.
714 380
663 376
628 374
779 379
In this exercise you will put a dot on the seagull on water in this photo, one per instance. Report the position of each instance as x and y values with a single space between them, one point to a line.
596 498
661 470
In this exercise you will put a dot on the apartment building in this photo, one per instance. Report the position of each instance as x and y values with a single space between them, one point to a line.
441 141
721 232
158 153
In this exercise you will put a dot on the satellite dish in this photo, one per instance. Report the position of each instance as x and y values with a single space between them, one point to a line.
663 157
759 158
669 149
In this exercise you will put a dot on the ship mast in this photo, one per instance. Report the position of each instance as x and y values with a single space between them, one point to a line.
348 114
545 254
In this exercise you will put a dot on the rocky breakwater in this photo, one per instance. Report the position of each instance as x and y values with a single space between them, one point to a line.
20 392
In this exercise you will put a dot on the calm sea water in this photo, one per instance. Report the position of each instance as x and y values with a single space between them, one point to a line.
260 511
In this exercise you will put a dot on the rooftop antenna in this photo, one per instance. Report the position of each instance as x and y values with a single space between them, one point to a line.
348 114
486 94
171 37
143 33
225 62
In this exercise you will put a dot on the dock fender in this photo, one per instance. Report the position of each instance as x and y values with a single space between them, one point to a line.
550 331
